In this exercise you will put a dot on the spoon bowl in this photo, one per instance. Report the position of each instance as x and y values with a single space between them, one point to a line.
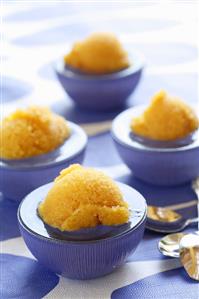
189 254
162 214
169 245
185 247
164 220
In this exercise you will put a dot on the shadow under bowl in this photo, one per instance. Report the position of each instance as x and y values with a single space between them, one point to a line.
100 92
81 259
155 162
19 177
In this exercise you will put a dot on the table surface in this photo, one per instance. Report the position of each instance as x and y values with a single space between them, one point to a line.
35 34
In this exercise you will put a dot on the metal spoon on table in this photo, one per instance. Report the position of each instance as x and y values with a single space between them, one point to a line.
185 247
166 220
189 254
195 187
169 245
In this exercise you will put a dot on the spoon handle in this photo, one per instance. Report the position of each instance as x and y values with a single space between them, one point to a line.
192 220
195 187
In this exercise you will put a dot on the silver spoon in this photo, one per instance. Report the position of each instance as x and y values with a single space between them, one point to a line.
169 245
189 254
162 214
166 221
195 187
162 219
185 247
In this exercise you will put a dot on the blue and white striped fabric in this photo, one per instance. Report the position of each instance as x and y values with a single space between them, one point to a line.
35 34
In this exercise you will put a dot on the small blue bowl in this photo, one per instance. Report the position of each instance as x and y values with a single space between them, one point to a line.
19 177
100 92
81 259
155 162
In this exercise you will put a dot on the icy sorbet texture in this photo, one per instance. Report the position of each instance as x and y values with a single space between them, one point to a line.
31 132
100 53
167 118
81 198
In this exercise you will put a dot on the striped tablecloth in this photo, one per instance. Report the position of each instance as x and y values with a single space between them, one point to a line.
35 34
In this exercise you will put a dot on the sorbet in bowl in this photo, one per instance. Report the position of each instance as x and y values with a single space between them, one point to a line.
99 53
159 143
82 199
167 118
36 142
30 132
98 73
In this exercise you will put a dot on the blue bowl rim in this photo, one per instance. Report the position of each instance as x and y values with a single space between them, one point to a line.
48 160
122 121
77 242
71 73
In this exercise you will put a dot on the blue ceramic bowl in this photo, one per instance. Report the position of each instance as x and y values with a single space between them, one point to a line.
19 177
158 163
81 259
100 92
